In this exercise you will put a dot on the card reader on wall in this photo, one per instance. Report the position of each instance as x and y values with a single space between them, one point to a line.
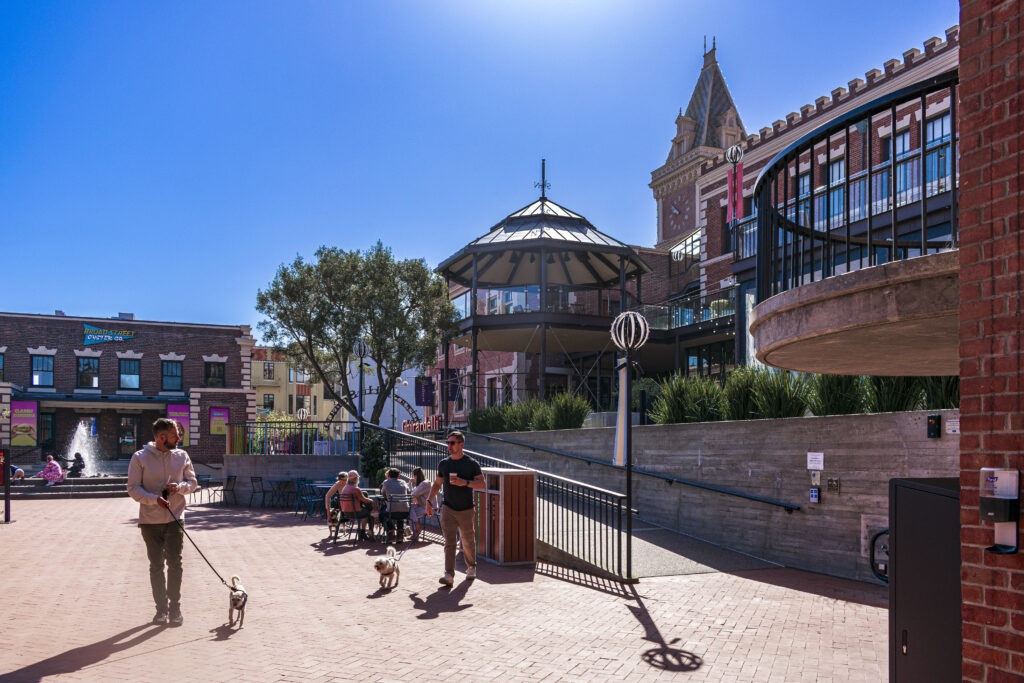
999 503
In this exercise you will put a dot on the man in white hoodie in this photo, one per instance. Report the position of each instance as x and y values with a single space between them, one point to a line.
159 477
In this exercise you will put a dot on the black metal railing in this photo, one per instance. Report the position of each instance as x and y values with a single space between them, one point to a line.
744 238
583 521
872 186
292 438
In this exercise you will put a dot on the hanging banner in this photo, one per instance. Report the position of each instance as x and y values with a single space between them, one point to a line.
24 418
219 420
179 413
621 417
425 391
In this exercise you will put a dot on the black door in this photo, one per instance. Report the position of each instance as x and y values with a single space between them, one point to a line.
127 436
924 580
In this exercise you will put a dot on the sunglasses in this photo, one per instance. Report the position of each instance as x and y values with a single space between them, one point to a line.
452 443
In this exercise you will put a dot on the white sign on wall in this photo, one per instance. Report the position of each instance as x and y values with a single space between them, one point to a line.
815 461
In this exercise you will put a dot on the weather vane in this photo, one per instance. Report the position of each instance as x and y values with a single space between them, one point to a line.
543 184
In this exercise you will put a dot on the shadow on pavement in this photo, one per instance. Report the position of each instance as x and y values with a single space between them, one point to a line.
79 658
847 590
441 600
579 578
663 656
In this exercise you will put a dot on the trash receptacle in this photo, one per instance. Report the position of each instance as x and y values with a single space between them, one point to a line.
506 511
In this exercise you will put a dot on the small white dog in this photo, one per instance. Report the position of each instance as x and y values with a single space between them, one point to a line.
387 567
237 602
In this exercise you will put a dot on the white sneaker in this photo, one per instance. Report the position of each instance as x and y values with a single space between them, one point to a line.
471 572
447 579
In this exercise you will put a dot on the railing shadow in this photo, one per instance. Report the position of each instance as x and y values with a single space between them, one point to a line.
585 580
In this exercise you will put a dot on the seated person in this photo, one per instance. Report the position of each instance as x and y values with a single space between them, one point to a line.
351 499
418 511
77 466
17 473
398 510
52 473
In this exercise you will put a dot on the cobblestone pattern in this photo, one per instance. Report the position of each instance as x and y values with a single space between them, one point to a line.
78 607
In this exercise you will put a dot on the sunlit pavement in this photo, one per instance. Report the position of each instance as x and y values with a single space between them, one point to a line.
76 606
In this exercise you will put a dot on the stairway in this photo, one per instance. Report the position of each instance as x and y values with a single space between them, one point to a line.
84 487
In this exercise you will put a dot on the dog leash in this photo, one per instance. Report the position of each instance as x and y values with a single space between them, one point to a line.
182 525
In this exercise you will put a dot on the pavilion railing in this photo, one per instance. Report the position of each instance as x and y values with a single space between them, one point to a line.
855 193
583 521
292 438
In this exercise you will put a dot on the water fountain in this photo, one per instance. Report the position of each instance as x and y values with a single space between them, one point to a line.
82 441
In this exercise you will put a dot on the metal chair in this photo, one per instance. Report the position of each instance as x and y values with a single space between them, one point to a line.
257 487
307 499
204 486
228 488
300 493
351 519
398 506
269 490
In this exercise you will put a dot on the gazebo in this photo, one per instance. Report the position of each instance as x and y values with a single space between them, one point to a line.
543 278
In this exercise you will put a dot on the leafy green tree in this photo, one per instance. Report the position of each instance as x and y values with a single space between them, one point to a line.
316 311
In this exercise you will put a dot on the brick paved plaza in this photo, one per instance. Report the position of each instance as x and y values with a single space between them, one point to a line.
77 607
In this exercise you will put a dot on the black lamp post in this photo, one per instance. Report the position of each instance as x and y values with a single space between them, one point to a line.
360 350
629 332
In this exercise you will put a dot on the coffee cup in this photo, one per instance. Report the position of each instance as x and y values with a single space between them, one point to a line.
451 478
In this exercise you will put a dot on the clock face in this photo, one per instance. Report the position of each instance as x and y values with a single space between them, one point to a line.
677 215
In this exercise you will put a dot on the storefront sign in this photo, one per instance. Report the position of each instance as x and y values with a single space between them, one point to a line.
425 391
98 335
24 416
179 413
219 420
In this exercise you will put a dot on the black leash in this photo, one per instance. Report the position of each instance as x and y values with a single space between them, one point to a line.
182 525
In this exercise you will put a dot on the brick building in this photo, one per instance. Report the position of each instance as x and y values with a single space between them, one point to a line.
96 385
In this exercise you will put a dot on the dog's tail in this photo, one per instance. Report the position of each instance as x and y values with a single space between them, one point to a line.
235 580
391 551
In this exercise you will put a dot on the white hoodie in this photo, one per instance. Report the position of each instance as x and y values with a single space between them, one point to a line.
149 471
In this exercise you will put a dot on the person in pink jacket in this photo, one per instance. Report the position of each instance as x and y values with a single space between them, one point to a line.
159 477
52 473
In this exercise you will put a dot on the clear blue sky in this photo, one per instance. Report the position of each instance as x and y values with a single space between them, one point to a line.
165 158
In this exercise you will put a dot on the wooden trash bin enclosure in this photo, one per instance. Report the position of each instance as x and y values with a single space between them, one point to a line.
506 510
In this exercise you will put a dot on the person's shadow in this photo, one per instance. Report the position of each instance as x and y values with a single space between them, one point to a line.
82 657
441 600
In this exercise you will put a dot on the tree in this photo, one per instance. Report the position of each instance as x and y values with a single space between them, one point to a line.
317 311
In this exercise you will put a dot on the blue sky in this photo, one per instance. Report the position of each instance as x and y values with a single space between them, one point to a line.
165 158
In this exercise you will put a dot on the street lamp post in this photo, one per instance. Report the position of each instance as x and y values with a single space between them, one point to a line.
360 350
629 332
405 383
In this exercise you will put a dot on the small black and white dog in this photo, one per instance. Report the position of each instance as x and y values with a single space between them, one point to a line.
387 567
237 601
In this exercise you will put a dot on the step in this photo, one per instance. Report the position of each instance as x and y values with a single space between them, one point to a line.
51 493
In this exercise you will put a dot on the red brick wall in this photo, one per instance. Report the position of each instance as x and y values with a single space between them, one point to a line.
991 323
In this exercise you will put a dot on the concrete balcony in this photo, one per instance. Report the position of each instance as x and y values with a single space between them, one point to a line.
899 318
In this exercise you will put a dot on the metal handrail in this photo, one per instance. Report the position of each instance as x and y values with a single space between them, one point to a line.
789 507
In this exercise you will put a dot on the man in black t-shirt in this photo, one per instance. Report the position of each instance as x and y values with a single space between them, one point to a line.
459 474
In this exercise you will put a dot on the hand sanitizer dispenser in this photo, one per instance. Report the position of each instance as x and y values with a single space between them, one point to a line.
998 503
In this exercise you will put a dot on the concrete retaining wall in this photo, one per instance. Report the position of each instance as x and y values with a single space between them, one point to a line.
766 458
284 467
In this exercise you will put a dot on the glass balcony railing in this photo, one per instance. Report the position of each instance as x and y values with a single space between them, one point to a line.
689 310
526 299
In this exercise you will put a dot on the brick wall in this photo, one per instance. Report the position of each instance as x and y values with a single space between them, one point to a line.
992 390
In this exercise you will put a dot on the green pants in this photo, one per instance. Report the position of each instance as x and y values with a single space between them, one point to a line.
163 543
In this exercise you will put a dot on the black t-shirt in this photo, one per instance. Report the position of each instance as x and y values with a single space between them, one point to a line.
458 497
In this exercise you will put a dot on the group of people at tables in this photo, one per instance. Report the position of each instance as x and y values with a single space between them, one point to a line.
52 473
397 502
